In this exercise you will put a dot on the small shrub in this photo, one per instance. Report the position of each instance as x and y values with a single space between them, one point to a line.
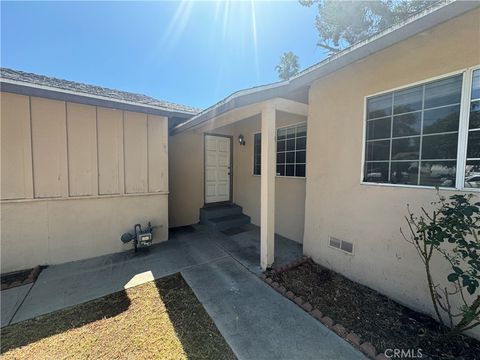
452 231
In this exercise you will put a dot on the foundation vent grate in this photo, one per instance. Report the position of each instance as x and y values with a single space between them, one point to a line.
341 245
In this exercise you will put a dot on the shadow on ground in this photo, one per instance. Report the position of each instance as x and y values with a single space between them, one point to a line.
161 318
33 330
193 326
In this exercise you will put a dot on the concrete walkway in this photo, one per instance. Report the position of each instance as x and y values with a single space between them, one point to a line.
256 321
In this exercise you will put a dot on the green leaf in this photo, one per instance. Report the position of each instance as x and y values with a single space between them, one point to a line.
452 277
471 289
457 270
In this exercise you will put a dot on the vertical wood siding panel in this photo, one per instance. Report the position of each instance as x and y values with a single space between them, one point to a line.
110 142
136 155
82 149
157 154
16 170
49 143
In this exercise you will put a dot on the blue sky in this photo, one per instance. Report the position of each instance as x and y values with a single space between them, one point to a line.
190 52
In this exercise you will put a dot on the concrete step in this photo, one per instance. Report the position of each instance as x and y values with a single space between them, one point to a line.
228 222
211 212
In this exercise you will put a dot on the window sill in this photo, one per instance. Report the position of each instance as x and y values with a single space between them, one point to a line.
421 187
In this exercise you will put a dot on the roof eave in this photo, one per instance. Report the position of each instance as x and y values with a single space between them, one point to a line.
414 25
404 30
48 92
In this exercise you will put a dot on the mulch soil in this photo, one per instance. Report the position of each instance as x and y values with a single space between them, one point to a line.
374 317
161 319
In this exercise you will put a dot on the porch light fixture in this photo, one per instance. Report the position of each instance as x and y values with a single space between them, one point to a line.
241 140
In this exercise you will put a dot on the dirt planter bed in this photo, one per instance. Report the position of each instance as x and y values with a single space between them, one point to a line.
369 320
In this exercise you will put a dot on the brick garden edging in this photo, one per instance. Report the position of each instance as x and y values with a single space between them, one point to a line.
355 340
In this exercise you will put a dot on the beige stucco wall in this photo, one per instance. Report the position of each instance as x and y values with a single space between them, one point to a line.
75 177
371 216
56 231
187 182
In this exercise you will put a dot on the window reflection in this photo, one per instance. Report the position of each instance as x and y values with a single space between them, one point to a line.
438 173
291 151
472 165
417 142
376 172
472 174
404 173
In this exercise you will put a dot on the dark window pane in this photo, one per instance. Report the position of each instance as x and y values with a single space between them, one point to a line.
290 133
404 173
280 170
440 146
302 130
289 170
300 157
281 145
300 170
441 120
257 156
280 158
379 106
473 149
474 122
406 148
281 134
406 125
378 150
376 172
301 143
476 85
408 100
291 144
443 92
378 129
438 173
290 157
472 174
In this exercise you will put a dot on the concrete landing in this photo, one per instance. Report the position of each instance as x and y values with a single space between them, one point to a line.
256 321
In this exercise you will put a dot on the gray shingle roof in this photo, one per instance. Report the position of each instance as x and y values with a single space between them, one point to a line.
80 88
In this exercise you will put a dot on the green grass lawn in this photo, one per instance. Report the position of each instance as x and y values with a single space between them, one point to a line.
161 319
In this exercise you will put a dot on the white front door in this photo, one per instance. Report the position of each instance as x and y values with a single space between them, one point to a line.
217 168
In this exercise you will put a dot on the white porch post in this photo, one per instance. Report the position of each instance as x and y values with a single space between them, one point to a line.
268 168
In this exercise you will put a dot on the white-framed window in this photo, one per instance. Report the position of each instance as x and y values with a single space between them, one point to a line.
291 151
427 134
472 167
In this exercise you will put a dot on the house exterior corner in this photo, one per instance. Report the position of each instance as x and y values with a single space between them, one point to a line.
338 203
